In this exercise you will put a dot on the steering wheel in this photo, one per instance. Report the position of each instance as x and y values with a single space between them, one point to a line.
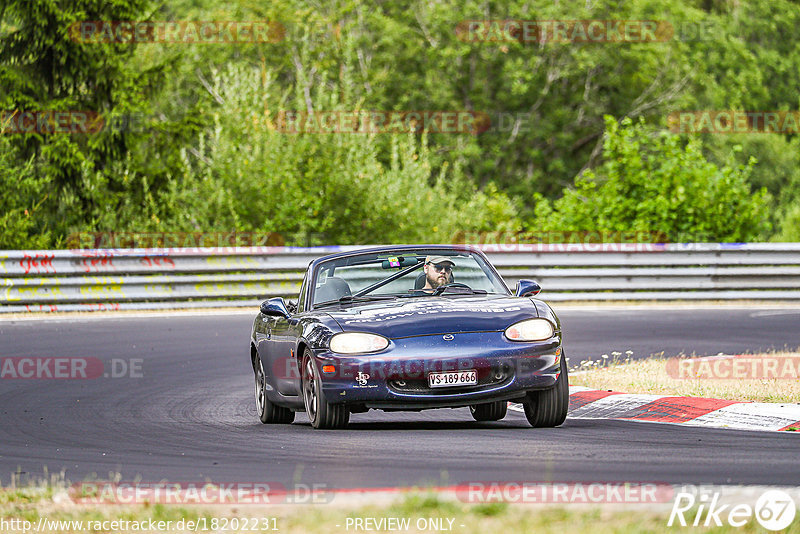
441 289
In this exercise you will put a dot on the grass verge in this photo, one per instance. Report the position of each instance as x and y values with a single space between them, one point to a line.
421 512
713 377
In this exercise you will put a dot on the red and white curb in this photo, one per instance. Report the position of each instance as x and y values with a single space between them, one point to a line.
586 403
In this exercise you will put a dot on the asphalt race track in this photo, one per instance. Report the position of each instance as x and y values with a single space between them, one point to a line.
190 416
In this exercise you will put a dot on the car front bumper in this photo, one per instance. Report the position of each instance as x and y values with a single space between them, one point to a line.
397 378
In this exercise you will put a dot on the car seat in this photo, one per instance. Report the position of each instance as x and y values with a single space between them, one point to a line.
334 288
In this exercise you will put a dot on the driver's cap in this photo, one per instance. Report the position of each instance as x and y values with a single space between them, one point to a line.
438 260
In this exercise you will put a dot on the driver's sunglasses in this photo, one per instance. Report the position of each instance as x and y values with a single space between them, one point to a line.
442 268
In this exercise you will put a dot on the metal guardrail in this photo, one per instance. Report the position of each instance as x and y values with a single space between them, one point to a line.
109 279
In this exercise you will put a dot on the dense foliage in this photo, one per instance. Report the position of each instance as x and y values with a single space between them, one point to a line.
578 139
651 183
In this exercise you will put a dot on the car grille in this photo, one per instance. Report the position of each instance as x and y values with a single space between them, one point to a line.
420 385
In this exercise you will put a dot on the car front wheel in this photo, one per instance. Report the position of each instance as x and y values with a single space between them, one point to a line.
548 408
321 414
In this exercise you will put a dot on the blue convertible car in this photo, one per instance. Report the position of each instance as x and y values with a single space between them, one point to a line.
408 328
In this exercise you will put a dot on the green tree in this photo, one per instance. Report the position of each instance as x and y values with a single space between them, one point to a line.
653 181
185 169
319 188
20 202
44 67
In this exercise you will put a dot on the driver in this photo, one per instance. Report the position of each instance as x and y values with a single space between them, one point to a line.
438 271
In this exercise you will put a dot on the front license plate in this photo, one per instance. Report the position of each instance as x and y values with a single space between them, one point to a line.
453 378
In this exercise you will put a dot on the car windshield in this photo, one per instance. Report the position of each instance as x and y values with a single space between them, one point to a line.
400 274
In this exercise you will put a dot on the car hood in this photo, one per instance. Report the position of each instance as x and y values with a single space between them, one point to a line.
434 315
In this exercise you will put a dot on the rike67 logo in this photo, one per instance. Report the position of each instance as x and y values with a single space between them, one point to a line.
774 510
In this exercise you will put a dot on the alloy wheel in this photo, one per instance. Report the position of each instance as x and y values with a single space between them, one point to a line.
310 389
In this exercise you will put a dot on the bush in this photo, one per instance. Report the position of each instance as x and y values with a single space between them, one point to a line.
789 224
653 181
20 202
320 188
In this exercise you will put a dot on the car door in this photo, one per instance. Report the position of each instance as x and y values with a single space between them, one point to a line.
282 361
285 333
263 337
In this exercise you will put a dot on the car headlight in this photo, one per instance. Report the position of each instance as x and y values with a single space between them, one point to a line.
356 343
530 330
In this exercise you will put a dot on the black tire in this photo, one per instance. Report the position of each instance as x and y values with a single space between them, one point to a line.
548 408
268 413
491 411
321 414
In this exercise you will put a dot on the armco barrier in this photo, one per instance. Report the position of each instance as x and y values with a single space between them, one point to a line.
65 280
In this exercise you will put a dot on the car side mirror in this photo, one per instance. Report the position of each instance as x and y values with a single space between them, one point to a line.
275 307
527 288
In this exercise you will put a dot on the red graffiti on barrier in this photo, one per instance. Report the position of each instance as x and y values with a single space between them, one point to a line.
41 307
157 262
102 306
100 263
37 263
